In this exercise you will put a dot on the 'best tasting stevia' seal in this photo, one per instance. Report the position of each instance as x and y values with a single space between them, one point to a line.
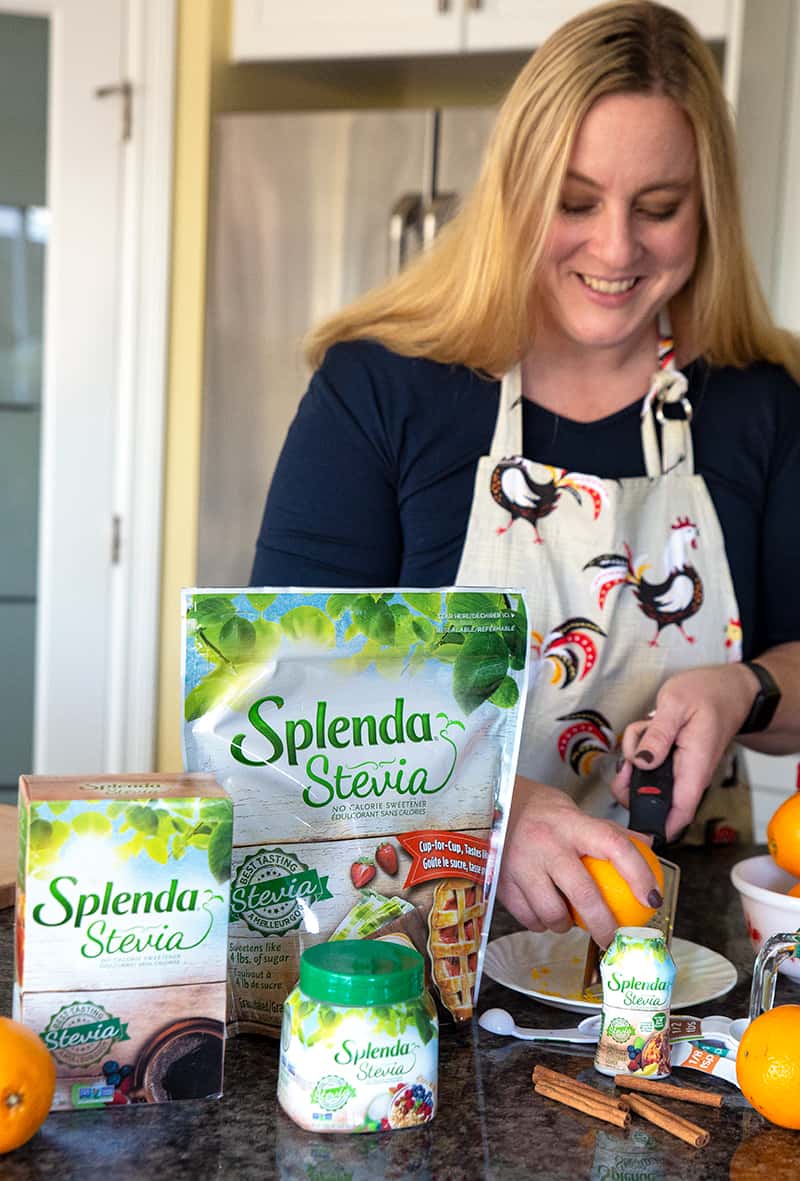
359 1040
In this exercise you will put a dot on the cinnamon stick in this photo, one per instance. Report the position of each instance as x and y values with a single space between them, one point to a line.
676 1125
668 1090
600 1108
555 1078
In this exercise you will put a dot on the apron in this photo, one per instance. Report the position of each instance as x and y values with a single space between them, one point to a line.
626 582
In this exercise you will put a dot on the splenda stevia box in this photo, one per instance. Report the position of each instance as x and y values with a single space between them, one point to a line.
121 933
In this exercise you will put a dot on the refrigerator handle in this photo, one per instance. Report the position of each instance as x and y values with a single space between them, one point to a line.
437 211
404 215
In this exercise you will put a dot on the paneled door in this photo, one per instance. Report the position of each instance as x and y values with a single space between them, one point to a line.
83 262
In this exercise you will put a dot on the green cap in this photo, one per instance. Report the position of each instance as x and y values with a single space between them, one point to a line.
361 972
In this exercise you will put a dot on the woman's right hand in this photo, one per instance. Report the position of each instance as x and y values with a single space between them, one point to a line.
541 867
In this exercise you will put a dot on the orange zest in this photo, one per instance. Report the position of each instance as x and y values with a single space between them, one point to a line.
768 1065
27 1084
626 908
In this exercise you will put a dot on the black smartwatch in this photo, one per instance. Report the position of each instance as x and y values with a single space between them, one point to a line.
765 702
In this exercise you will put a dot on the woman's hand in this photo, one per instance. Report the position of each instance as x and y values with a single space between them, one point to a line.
541 867
700 711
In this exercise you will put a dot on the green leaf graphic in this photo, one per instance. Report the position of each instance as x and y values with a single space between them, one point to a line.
41 834
237 639
517 639
210 609
91 824
381 624
506 695
261 602
142 818
423 629
479 669
338 604
214 688
427 604
219 851
309 623
481 607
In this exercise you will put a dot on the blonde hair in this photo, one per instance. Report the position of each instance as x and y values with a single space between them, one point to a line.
471 298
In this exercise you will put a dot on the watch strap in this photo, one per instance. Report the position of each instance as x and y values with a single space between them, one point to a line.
765 701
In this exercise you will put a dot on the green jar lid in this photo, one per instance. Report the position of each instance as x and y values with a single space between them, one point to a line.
361 972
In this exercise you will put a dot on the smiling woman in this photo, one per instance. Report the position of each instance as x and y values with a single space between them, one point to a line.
530 353
622 244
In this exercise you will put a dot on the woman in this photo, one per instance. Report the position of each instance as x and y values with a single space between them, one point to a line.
513 410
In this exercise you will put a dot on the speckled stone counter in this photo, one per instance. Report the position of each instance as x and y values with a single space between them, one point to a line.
490 1125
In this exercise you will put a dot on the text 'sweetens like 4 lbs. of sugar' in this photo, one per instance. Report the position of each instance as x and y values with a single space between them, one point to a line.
369 741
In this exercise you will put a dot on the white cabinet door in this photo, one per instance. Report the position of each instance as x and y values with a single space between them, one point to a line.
266 30
524 24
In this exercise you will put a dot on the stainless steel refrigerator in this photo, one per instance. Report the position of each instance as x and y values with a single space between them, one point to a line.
308 210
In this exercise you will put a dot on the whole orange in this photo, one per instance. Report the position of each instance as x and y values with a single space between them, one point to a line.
783 835
768 1065
27 1083
626 908
795 891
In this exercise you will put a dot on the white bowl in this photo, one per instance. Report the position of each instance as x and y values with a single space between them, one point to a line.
768 910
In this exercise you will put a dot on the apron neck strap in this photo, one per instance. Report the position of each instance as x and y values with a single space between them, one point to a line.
507 438
666 403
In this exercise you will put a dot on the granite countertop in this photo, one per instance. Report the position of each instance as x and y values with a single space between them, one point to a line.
489 1126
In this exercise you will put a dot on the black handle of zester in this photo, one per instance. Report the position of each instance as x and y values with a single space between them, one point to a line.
651 799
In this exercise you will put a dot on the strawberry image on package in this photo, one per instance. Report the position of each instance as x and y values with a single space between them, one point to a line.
369 741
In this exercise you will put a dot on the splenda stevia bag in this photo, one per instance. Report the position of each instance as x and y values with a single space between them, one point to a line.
369 742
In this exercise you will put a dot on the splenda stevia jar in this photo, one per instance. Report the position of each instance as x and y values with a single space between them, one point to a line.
359 1040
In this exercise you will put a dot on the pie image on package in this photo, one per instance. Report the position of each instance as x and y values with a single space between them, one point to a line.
454 922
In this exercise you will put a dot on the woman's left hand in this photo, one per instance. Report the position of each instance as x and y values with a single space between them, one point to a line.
698 711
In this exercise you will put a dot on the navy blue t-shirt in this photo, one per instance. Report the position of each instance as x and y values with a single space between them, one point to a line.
375 481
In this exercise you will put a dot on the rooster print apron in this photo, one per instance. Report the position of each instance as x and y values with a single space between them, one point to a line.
627 582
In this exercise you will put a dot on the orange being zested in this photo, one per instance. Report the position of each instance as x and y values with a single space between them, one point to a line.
27 1083
783 835
768 1065
626 908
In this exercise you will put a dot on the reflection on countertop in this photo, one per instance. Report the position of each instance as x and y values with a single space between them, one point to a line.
490 1125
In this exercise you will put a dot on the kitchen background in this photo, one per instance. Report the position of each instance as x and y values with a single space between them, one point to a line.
304 139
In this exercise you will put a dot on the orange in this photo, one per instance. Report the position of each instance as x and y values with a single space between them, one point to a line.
795 891
27 1083
768 1065
626 908
783 835
770 1153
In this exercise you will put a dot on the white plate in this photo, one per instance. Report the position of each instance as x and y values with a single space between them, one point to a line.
549 967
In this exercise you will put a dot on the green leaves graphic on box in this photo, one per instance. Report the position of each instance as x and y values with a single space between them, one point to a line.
160 830
483 635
